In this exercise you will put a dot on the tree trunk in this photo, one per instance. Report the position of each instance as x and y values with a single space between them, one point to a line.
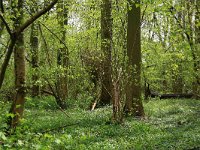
106 47
62 57
17 107
116 99
1 28
34 62
133 105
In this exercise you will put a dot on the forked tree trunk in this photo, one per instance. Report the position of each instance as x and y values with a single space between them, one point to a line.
17 42
15 33
133 104
106 47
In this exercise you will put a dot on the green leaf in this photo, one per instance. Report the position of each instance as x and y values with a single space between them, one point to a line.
10 115
2 136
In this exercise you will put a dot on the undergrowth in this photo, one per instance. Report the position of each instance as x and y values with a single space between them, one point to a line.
169 124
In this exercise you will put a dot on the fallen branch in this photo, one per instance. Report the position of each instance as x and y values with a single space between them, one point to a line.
173 96
149 93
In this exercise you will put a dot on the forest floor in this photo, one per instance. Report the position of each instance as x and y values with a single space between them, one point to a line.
169 124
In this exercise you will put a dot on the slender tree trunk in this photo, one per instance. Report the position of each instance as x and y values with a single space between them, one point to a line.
34 62
106 47
62 56
6 60
133 105
17 107
116 99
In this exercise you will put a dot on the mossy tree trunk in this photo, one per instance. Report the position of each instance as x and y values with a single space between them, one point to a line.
17 107
133 104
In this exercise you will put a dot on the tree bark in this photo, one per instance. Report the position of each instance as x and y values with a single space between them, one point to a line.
133 104
62 57
34 42
116 99
17 108
106 47
1 28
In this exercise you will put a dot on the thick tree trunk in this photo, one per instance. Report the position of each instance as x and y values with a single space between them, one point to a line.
106 47
133 105
18 104
34 62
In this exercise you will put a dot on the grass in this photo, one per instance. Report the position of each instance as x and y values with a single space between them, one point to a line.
169 124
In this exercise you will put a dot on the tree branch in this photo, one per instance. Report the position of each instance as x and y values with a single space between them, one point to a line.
45 45
56 36
6 61
6 24
35 17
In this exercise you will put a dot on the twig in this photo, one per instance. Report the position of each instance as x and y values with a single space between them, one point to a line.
54 35
63 111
